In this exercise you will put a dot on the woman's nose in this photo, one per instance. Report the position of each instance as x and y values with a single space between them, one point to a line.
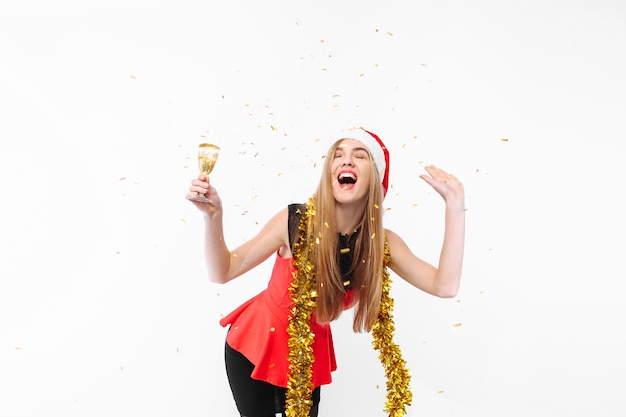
347 160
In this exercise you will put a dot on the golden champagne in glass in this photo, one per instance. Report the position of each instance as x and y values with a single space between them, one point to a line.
207 157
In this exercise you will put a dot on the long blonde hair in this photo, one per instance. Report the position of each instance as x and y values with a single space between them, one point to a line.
368 256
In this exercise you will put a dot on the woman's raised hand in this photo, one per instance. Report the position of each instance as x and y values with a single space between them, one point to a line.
447 185
202 185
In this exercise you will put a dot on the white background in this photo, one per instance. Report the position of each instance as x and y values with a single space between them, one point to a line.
104 306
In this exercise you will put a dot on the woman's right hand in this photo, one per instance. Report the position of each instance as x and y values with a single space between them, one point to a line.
202 185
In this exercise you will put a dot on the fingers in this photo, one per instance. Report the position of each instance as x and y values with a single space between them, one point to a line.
439 174
200 185
446 184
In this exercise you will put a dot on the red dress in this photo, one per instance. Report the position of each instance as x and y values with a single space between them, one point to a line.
258 330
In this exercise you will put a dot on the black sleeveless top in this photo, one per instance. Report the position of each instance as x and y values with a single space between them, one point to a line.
345 247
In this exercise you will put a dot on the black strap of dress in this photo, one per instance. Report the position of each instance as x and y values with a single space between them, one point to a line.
295 214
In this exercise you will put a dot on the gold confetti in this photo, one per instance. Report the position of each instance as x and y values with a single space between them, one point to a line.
457 325
345 250
440 391
504 140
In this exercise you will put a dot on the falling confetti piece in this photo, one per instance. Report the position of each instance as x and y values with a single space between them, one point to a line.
122 179
504 140
440 391
133 77
457 325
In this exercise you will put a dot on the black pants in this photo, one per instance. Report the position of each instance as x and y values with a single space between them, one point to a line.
256 398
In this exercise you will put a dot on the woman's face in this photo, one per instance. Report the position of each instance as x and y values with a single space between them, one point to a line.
351 171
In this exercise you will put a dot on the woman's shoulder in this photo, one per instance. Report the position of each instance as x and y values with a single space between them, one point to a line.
296 209
392 237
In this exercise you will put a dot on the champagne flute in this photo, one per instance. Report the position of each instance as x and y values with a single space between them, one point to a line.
207 157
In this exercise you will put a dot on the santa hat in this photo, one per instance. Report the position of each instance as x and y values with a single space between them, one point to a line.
379 152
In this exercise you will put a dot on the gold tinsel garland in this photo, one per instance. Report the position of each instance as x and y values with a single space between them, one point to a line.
399 393
303 292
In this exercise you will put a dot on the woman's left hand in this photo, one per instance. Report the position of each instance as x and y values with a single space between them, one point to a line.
447 185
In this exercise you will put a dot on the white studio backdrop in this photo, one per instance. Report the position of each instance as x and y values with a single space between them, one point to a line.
105 309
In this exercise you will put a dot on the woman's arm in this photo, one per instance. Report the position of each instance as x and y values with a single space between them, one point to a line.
222 264
444 280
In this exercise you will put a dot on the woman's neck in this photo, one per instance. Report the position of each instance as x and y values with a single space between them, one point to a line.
348 218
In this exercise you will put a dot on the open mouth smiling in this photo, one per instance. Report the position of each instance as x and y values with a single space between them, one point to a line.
346 179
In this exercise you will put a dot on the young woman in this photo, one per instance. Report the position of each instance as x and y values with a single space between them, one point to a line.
332 253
